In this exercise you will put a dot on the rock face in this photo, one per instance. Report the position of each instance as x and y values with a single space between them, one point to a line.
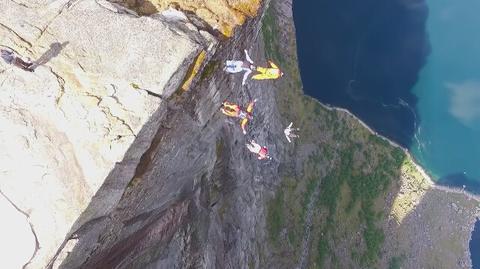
92 105
17 232
222 16
196 199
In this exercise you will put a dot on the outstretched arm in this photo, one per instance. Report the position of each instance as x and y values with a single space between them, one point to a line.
273 65
250 106
248 57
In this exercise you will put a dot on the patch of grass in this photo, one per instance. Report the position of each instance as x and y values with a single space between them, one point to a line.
292 237
310 188
275 217
396 262
322 251
270 35
209 69
135 86
134 182
372 236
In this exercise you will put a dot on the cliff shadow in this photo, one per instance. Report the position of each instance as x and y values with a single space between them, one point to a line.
141 7
111 191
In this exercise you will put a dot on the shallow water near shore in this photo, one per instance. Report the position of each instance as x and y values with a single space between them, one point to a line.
408 69
447 138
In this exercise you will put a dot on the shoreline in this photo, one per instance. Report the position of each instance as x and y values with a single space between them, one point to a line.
422 170
432 184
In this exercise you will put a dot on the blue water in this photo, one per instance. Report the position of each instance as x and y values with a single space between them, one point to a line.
475 246
364 56
409 68
448 94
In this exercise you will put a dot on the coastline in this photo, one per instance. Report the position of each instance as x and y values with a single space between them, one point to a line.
434 215
428 178
422 171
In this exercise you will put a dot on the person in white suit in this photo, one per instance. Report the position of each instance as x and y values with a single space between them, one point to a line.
289 132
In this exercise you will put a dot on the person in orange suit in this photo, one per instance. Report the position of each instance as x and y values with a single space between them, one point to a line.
235 111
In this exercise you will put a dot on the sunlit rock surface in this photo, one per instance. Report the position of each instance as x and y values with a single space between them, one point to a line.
222 16
101 74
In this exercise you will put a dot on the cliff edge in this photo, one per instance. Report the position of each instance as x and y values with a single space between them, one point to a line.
91 108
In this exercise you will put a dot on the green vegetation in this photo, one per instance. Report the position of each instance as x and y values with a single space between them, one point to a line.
353 169
209 69
270 30
135 86
275 217
395 262
372 235
322 251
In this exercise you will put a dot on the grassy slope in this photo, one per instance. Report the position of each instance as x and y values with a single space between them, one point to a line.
354 169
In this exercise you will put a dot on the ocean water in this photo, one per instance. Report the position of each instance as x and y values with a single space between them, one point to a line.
365 56
409 68
447 140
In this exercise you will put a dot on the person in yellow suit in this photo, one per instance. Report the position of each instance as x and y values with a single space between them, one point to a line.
235 111
272 72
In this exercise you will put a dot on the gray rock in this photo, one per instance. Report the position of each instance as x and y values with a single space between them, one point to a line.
87 114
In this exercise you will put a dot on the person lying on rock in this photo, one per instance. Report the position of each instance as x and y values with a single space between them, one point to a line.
262 152
11 58
233 66
289 132
235 111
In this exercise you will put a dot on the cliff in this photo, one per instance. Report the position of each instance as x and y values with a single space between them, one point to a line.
116 155
104 121
350 198
77 127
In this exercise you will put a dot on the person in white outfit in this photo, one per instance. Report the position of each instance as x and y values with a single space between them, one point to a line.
289 132
232 66
262 152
